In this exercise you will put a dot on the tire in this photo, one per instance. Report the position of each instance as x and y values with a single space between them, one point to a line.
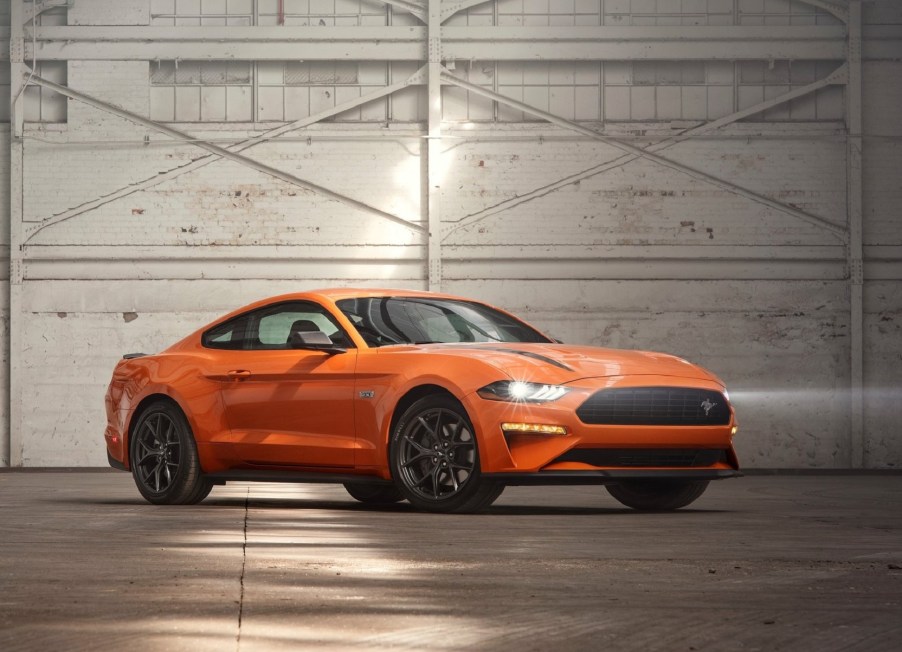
164 460
657 495
435 458
374 494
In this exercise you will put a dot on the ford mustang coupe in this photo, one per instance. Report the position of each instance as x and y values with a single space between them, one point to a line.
427 397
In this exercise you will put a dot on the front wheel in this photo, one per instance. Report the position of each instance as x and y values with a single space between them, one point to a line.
435 458
657 495
164 459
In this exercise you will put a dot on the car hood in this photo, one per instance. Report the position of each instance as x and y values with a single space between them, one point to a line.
564 363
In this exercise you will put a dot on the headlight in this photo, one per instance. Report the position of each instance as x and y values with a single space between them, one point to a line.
517 390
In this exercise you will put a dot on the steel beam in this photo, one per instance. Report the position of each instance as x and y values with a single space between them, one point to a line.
838 230
857 431
173 173
606 43
149 43
222 152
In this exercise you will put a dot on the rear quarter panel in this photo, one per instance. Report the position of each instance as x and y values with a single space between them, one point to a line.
180 377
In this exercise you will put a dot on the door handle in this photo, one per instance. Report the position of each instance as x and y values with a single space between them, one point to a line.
239 374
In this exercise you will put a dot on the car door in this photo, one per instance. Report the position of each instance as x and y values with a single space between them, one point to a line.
286 406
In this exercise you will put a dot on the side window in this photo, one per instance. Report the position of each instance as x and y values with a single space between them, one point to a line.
229 335
270 328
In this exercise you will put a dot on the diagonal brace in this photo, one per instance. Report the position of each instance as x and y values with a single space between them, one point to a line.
838 76
173 173
836 229
410 7
221 152
451 8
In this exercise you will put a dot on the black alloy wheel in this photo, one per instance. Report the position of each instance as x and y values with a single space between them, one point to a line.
657 495
435 458
164 460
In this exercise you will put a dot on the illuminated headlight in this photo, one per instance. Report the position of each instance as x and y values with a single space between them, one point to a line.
533 429
726 394
517 390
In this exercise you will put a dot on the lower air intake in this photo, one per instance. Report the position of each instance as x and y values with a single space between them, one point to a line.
650 457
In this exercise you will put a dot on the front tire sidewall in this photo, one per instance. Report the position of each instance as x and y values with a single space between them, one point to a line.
474 494
657 495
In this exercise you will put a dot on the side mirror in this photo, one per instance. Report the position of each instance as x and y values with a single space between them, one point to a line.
314 341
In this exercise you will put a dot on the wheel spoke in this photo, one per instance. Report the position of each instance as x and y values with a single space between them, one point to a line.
156 429
422 449
437 431
435 481
428 428
146 457
422 481
454 483
156 476
417 458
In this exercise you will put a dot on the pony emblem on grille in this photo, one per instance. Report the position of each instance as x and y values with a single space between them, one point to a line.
707 405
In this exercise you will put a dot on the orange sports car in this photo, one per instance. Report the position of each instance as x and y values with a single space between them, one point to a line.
396 394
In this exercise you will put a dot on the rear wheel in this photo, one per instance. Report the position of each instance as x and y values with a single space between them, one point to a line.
657 495
435 458
374 494
164 458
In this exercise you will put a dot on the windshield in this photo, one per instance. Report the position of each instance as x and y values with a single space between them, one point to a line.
382 321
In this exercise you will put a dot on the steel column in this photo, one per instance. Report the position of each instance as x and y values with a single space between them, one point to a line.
12 438
434 147
856 251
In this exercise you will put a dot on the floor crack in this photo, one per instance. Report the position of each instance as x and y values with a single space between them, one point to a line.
243 566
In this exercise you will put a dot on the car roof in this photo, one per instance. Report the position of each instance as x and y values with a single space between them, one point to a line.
335 294
331 295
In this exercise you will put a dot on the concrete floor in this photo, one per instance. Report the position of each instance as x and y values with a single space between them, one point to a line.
758 563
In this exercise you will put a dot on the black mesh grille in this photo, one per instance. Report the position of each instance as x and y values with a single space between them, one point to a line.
636 457
656 406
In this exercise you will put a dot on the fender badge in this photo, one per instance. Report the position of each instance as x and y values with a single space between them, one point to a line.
367 393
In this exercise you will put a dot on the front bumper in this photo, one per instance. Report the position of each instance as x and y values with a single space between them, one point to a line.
511 453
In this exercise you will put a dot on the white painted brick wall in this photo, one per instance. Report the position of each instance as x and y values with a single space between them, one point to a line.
109 12
774 325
